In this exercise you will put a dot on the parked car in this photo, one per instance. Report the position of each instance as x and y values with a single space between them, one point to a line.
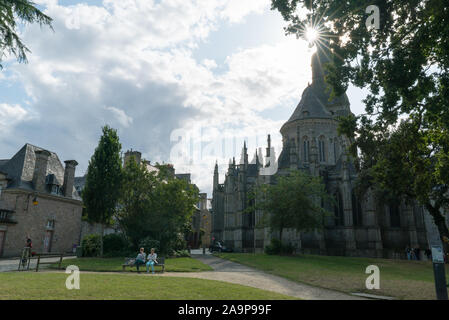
219 247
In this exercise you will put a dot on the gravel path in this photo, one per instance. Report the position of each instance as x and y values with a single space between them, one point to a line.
232 272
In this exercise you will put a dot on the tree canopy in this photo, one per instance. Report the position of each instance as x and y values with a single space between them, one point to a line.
13 12
104 178
294 202
155 205
402 139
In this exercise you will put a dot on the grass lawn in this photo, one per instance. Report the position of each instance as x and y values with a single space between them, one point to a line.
398 278
115 265
51 286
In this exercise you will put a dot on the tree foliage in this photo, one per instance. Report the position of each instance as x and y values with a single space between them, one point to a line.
103 181
156 206
294 202
403 138
13 12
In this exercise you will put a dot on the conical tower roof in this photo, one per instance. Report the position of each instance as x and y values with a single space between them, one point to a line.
315 101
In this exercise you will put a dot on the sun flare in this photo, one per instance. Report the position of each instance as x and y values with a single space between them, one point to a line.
312 34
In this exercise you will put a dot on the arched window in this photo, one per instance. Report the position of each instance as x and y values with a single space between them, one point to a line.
322 150
306 149
335 149
338 209
395 217
356 211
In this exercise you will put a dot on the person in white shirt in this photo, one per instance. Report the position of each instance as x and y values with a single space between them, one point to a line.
151 261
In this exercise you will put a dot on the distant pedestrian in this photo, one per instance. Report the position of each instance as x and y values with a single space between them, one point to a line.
29 243
412 254
408 252
417 253
428 253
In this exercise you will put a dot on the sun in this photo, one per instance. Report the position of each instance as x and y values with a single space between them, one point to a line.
311 34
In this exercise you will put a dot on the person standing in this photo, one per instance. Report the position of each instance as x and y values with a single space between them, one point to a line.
417 253
408 253
428 254
151 261
412 253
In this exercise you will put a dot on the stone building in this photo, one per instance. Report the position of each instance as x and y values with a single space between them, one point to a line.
358 227
201 225
38 200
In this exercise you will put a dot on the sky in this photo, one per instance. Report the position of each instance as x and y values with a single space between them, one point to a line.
183 81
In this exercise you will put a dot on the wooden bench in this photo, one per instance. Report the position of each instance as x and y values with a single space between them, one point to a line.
129 262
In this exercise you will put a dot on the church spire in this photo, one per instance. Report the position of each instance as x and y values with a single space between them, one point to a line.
319 60
216 176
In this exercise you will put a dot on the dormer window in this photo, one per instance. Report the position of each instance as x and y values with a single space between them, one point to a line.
50 224
305 113
53 185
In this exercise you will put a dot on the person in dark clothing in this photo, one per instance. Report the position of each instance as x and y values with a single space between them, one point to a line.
417 252
29 243
428 254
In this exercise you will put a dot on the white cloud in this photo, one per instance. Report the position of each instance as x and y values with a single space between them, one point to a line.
120 116
11 115
130 64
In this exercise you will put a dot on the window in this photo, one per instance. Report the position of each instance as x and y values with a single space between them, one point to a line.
50 224
306 149
339 212
356 211
395 218
322 150
335 149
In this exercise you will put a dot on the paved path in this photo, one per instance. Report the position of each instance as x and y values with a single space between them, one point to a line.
225 270
13 264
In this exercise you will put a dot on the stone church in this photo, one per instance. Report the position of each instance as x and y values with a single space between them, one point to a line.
358 227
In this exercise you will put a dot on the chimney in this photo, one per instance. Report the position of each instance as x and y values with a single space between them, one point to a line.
136 154
40 170
69 177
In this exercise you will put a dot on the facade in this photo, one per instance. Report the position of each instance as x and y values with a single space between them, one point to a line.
359 227
201 225
38 200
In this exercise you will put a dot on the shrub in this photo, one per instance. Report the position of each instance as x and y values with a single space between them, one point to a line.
181 253
148 243
277 247
114 243
91 245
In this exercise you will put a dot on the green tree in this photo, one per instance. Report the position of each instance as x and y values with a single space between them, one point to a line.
103 181
136 199
13 12
294 202
404 66
155 206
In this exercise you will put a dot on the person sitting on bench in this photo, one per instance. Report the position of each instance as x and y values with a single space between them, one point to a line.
140 260
151 261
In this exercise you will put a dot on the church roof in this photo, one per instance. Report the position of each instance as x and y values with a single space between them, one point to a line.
312 105
315 101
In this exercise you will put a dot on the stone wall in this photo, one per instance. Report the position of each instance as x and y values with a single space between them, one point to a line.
55 221
94 228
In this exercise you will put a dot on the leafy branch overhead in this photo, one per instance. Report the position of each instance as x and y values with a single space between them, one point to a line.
12 14
402 139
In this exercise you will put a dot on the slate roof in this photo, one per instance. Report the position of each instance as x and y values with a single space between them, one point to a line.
315 101
20 168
